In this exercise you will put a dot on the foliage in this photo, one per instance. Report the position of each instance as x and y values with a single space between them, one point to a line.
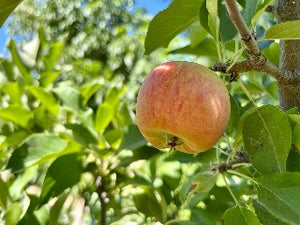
69 147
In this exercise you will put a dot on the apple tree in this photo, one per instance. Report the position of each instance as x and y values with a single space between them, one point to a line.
70 149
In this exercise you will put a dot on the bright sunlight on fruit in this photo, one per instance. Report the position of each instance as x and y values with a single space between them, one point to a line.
183 106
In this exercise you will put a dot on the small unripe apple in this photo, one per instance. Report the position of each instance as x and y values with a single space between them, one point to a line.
182 106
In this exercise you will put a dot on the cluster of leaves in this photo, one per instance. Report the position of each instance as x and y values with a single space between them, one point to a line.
68 138
257 127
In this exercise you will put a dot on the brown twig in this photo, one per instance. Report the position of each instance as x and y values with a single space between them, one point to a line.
255 61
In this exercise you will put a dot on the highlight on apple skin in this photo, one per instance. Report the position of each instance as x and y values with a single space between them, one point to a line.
182 106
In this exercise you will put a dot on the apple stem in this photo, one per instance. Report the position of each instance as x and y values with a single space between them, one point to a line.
173 141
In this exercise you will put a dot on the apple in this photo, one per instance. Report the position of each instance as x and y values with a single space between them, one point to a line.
182 106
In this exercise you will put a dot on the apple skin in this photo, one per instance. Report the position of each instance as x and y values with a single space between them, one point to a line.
182 106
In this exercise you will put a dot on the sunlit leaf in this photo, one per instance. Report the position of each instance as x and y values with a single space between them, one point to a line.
284 31
45 98
104 116
47 78
14 91
207 47
87 91
37 148
13 214
107 110
3 194
16 114
51 58
70 97
19 62
17 187
6 8
170 22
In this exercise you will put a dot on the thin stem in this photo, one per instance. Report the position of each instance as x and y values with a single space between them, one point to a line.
256 61
232 154
239 23
242 86
236 165
231 192
234 172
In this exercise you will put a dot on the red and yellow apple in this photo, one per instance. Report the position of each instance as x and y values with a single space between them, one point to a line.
183 106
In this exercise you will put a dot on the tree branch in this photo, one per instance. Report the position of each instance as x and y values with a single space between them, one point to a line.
239 23
255 61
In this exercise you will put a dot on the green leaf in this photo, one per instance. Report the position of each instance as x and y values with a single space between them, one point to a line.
205 181
16 189
104 116
14 91
125 116
264 216
284 31
47 78
16 114
293 161
6 8
197 34
201 182
227 29
151 203
13 214
70 97
296 129
279 193
3 194
267 138
8 69
19 62
37 148
132 138
87 91
53 55
240 216
114 95
63 173
234 115
203 16
34 216
108 109
261 8
207 47
45 98
249 11
82 134
272 53
168 23
212 7
56 209
16 138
